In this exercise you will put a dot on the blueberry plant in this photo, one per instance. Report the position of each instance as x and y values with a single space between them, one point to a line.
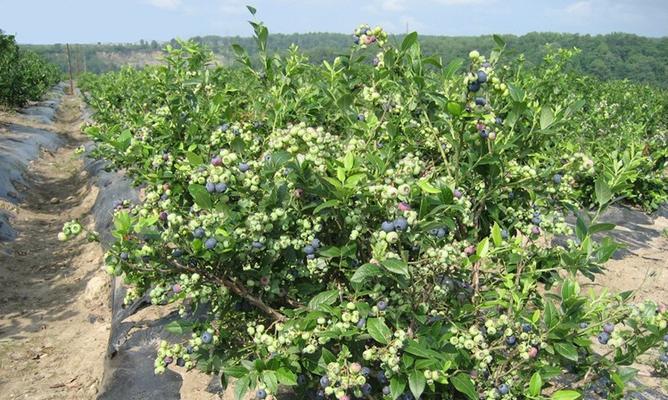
24 76
370 228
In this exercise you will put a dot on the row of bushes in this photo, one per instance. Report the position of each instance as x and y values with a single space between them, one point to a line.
24 76
383 228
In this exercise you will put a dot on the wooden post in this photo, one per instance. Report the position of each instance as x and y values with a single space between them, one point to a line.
69 63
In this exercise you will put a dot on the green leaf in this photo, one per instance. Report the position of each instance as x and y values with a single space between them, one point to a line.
329 297
270 380
496 235
396 266
550 316
603 193
286 377
580 228
236 371
241 387
179 327
366 271
463 383
455 109
349 161
417 382
378 330
251 9
409 41
546 117
499 41
451 69
194 159
535 384
603 227
123 141
482 250
397 386
327 204
427 187
516 93
201 196
567 350
565 395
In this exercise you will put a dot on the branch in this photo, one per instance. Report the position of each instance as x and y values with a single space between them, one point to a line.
236 288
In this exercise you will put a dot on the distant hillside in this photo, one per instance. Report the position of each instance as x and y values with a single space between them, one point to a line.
612 56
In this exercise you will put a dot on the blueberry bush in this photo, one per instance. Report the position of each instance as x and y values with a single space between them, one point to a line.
382 228
24 76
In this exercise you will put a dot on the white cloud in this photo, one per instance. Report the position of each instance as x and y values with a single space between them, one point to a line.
393 5
580 8
463 2
165 4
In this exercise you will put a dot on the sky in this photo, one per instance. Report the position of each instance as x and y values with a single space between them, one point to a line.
123 21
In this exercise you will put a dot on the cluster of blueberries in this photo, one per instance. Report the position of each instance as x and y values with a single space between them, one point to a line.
398 225
311 248
475 85
604 336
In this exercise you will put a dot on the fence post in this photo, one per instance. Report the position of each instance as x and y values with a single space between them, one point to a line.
69 62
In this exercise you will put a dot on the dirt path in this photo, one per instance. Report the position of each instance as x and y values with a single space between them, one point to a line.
54 296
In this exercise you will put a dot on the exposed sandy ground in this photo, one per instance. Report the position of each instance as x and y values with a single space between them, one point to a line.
54 298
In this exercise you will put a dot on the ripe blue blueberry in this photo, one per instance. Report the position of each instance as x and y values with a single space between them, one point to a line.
210 243
225 127
210 187
663 358
503 389
261 394
401 224
480 101
484 134
301 380
504 233
206 337
407 396
381 377
382 305
536 220
163 215
366 389
244 167
177 253
199 233
361 117
441 232
665 338
216 161
125 256
556 178
324 381
387 226
526 328
320 395
308 249
310 256
365 371
257 245
603 337
511 340
482 76
387 390
361 323
498 120
315 243
221 187
584 325
180 362
608 327
474 86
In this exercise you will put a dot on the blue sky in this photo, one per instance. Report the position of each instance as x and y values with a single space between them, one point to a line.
90 21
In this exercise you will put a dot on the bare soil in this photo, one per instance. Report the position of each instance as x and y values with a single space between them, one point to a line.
54 300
